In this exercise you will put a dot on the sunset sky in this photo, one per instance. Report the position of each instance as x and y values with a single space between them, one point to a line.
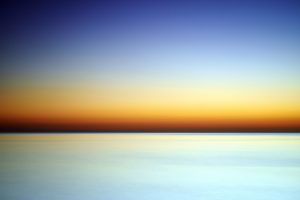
151 66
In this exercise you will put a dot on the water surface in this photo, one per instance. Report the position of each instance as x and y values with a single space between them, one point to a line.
150 166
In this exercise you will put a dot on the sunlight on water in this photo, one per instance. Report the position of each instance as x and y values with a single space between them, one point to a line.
150 166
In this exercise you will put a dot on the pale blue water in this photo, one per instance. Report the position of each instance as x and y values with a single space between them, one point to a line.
150 166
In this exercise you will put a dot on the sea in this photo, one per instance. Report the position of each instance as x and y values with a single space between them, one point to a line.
150 166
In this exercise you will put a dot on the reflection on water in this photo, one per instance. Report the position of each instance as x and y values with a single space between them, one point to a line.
150 166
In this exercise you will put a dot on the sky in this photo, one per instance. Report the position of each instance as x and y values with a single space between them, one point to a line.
150 66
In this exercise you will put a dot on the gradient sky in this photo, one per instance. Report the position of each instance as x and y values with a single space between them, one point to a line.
136 65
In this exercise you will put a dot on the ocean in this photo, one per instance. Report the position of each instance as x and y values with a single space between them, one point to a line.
150 166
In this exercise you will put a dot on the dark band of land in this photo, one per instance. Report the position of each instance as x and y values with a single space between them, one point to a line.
12 128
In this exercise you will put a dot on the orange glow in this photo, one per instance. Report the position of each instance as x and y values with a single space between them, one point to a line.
149 109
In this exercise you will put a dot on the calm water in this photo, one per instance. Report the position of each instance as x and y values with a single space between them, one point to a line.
150 166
